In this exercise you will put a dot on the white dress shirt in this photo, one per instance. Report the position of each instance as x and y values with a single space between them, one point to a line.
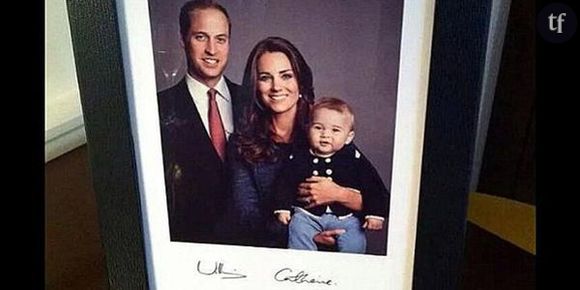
198 91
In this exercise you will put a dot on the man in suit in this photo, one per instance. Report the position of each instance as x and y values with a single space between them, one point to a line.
197 116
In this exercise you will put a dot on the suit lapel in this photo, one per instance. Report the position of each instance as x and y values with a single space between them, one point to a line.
193 128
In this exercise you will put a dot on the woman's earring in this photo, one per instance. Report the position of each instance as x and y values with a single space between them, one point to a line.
300 96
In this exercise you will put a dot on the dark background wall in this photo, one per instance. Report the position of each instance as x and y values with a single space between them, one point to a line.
509 160
509 164
351 46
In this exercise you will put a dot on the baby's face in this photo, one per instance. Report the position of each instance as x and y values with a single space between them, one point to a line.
329 131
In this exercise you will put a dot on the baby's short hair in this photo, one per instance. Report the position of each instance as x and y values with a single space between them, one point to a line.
334 104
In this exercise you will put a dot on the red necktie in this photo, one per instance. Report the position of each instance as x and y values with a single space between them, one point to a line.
216 128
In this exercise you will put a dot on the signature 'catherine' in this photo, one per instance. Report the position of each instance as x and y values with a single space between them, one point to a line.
288 274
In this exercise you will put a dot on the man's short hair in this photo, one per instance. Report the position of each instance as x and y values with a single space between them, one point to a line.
190 6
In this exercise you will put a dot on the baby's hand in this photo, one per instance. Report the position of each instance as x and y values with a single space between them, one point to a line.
283 217
373 224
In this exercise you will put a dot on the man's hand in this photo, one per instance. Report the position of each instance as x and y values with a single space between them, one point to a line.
283 217
373 224
328 238
318 190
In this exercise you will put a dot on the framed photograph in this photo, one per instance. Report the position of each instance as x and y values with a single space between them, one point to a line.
374 55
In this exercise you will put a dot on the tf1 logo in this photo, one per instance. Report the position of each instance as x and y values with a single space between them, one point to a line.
556 23
559 21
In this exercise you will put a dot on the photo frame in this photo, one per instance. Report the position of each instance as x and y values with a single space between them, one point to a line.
345 63
114 58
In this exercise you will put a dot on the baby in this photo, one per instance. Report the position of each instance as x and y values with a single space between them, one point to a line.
331 154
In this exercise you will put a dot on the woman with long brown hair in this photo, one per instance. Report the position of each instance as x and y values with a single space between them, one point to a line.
280 82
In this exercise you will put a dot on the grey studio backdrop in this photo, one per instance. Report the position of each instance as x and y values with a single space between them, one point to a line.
352 48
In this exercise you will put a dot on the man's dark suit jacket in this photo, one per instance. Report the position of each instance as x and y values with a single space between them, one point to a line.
196 180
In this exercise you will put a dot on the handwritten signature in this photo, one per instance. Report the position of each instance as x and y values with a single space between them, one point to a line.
217 268
288 274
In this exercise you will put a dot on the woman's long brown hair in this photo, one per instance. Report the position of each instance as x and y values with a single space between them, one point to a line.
254 141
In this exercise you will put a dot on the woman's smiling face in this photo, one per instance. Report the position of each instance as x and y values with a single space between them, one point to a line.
277 83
